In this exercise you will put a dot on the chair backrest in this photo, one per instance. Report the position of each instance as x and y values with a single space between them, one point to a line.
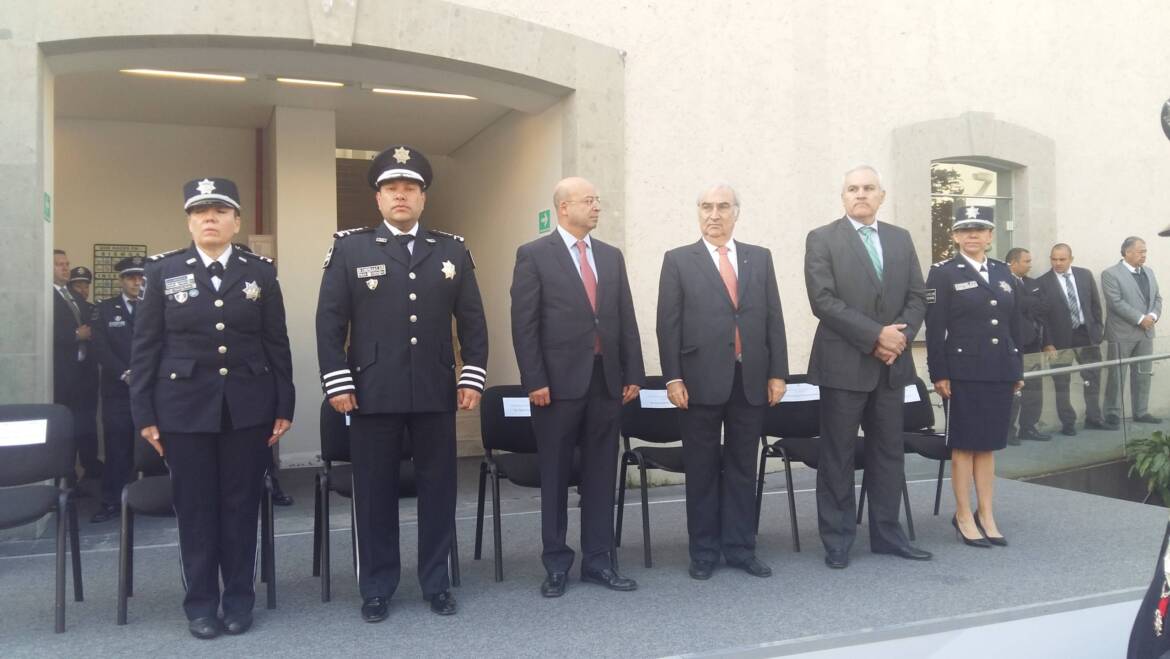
795 415
651 424
334 434
501 431
147 460
918 415
26 456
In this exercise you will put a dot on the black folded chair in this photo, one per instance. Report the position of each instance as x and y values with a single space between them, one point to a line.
338 479
23 470
150 495
654 426
796 426
509 451
922 438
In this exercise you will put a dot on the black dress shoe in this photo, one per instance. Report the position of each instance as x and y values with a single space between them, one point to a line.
701 570
1034 435
442 603
838 560
205 628
1147 418
997 540
279 498
1112 419
970 542
1100 424
375 609
1068 431
105 513
752 566
236 625
554 584
608 578
908 552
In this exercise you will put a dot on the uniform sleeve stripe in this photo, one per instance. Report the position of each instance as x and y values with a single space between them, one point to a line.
470 383
337 381
344 387
344 371
472 376
474 369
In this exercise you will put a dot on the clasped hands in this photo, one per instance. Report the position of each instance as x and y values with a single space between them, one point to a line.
890 343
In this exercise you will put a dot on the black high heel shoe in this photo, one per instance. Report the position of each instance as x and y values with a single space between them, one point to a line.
998 541
977 542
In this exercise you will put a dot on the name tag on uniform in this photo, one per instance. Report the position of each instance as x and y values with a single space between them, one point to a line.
371 271
179 284
116 323
965 285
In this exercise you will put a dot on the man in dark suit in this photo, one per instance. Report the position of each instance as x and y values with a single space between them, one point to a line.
85 387
1074 325
580 359
865 286
1029 405
71 343
724 355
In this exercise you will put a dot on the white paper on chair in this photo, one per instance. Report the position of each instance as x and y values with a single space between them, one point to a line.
24 433
801 391
517 407
911 394
654 399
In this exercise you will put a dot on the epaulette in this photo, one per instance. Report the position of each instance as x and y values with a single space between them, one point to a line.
940 263
248 250
444 234
350 232
159 257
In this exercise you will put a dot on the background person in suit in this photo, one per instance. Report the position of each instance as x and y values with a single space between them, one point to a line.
71 342
724 356
1029 405
580 358
1073 324
1133 304
865 287
972 352
211 389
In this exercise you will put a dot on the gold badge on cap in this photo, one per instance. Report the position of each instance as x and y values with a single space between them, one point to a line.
402 154
448 269
252 291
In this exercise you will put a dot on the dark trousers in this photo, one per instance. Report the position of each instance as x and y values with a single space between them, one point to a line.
587 426
1029 405
879 413
217 480
1084 353
376 448
119 435
721 479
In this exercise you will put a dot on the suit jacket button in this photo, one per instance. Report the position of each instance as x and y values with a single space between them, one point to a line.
174 375
413 297
413 318
223 371
218 303
359 369
994 341
412 275
994 302
219 326
959 350
413 341
994 321
222 349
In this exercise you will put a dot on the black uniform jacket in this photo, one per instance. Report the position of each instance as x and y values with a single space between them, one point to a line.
113 332
972 326
395 307
197 349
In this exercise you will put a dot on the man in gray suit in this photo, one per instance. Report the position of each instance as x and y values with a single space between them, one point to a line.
865 286
1132 306
724 356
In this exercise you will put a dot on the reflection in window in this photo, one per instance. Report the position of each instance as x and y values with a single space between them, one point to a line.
962 183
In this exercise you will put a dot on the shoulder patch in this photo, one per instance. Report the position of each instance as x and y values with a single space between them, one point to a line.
444 234
351 232
159 257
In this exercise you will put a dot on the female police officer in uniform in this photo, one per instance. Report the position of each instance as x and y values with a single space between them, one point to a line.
211 389
973 354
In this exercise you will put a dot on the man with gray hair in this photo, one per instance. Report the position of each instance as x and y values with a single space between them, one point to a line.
865 286
1132 305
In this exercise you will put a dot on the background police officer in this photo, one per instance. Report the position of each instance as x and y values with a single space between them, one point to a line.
211 389
113 331
86 379
393 289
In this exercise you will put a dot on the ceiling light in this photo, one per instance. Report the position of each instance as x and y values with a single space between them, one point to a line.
186 75
310 83
411 92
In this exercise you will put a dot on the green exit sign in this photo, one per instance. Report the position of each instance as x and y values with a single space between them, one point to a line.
544 221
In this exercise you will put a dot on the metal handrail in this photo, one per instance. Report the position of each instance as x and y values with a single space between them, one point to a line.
1060 370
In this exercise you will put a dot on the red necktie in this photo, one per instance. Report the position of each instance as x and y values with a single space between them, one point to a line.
590 281
727 273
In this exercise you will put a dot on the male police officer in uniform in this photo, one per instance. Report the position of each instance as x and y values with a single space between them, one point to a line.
113 324
86 383
392 289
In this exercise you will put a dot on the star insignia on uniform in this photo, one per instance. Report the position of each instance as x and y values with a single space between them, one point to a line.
448 269
1005 286
972 212
402 155
252 291
206 186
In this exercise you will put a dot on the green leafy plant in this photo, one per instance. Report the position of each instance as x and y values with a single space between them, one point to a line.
1151 462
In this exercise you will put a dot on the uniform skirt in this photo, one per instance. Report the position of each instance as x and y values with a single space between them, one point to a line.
980 415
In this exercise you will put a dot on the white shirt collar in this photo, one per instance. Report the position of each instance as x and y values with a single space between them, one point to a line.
394 231
127 301
857 225
571 240
223 258
713 249
1129 267
975 264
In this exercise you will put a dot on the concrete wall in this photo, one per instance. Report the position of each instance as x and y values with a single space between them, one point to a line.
123 182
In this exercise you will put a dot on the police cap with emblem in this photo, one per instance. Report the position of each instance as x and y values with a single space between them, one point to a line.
400 162
80 273
131 265
210 191
974 217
